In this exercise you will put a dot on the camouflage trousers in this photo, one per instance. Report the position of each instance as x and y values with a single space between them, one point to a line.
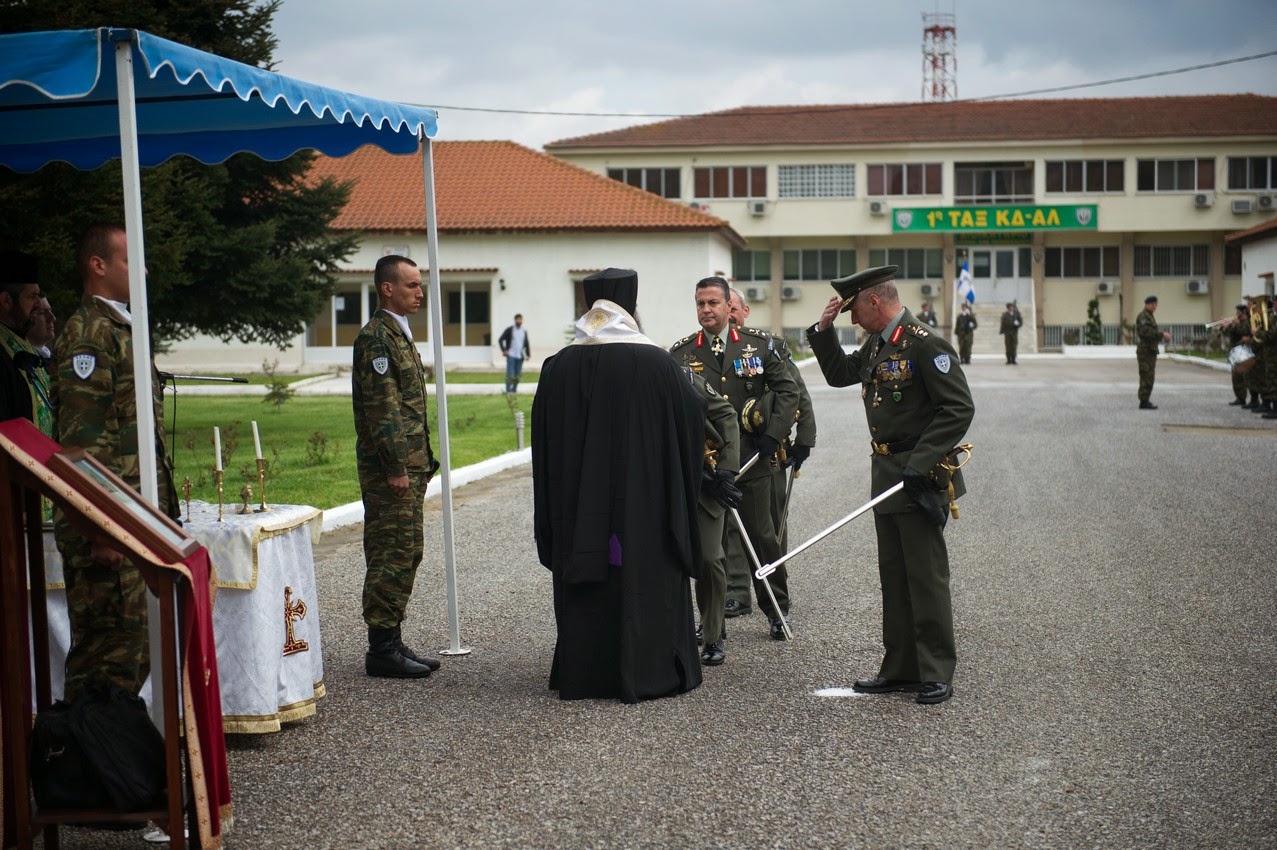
107 610
1148 371
394 535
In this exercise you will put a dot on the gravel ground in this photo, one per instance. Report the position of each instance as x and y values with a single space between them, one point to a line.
1115 619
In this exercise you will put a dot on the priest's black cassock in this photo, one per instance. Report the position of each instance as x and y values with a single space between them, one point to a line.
617 449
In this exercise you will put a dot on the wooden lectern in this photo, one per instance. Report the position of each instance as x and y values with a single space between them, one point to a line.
99 503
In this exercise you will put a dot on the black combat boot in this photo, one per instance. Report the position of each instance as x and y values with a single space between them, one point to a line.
384 660
428 660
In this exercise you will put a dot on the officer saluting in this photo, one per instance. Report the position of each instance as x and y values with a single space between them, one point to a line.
743 365
918 407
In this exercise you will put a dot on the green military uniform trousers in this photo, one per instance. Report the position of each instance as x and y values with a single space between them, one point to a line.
740 571
917 613
1148 372
756 513
107 608
964 347
394 536
711 588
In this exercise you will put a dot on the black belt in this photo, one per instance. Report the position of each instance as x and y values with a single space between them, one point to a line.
893 448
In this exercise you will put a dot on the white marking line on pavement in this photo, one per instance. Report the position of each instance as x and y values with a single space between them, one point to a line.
837 692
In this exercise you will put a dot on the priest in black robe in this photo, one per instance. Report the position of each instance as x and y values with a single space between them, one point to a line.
617 450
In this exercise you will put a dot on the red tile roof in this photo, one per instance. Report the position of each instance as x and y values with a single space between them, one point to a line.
964 121
1263 230
500 186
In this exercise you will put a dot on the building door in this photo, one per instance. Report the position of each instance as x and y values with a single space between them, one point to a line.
1000 275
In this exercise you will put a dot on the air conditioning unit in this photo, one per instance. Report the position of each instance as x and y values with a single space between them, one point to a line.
755 293
1203 199
1241 206
790 293
698 206
758 208
1106 287
1267 203
877 207
928 290
1197 287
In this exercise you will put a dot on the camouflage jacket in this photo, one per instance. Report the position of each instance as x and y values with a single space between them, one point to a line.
93 395
389 396
1147 336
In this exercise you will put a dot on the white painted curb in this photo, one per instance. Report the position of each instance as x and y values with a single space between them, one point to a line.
353 513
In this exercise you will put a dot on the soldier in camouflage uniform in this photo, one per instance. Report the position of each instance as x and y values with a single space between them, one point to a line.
1254 378
392 451
96 410
718 493
1237 332
1265 340
739 569
1147 338
743 365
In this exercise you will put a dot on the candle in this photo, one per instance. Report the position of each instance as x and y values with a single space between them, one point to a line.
217 446
257 440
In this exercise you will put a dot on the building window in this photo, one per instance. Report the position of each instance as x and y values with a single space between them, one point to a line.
658 181
1172 260
993 183
752 265
914 263
819 263
730 181
1232 259
1252 172
904 179
816 181
1094 262
1175 175
1085 176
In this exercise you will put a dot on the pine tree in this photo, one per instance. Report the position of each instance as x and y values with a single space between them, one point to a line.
239 250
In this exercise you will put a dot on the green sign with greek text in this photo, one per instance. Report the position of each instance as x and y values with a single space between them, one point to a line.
994 219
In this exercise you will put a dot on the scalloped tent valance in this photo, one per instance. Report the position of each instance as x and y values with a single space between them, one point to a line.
59 102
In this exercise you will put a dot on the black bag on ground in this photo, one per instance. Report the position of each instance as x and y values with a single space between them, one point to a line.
102 751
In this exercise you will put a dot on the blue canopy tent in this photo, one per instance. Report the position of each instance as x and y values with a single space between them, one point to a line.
85 97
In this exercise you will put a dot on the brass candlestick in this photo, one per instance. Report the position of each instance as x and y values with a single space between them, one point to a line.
245 496
261 484
186 491
217 479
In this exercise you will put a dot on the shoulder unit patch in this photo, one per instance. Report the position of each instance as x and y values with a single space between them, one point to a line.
942 363
84 364
380 365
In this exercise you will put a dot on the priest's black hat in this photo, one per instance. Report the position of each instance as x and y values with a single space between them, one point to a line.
853 284
18 267
620 286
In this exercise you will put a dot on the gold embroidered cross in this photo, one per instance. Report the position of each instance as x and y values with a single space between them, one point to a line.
293 612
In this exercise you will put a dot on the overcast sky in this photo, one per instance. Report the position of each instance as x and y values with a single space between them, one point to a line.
655 57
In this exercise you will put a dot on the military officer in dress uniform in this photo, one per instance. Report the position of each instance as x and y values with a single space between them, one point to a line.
718 493
964 330
392 452
95 409
744 365
918 407
739 569
1010 330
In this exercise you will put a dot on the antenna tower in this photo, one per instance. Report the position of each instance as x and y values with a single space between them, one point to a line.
939 57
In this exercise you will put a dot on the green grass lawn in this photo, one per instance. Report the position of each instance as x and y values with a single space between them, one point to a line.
309 443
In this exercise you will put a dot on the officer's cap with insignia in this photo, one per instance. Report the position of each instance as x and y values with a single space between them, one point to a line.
852 285
620 286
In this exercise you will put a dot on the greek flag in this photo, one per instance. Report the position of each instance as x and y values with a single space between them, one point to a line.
965 289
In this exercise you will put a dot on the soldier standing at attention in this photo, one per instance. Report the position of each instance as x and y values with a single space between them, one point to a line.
392 451
743 365
1147 337
964 330
928 315
95 409
918 407
1010 330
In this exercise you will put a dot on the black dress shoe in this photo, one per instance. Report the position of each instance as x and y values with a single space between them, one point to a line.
734 608
700 635
880 685
713 655
934 692
778 629
1147 405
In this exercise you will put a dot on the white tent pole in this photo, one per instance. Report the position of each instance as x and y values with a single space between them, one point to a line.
132 175
436 307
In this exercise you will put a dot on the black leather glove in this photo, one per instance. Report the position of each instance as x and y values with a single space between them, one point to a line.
767 446
920 490
722 488
798 455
